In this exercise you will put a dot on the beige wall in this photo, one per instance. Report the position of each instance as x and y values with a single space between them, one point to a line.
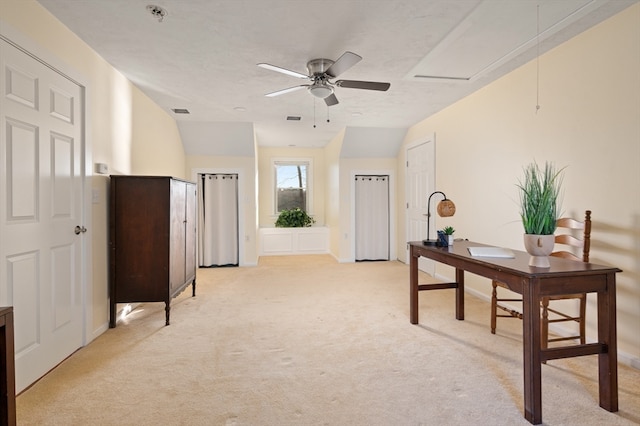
332 191
267 218
589 121
157 147
246 169
119 130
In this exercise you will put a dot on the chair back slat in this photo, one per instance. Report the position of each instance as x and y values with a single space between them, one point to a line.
569 240
565 225
566 255
570 223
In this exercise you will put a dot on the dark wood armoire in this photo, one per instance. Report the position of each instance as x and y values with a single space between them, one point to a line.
152 240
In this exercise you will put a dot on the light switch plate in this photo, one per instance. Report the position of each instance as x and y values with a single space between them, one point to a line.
102 168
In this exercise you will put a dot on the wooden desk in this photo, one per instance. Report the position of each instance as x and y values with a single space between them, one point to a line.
563 277
7 370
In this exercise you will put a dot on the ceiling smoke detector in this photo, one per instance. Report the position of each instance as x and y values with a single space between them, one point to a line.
158 12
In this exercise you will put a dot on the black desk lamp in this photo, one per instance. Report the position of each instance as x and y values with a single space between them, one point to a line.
445 208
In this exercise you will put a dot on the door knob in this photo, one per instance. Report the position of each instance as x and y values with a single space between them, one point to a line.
80 229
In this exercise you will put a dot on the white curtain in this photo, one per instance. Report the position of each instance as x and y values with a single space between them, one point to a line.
372 217
218 220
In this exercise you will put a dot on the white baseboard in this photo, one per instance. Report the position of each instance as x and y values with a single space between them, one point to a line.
98 331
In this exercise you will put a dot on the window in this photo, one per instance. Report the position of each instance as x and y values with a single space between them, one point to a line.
292 185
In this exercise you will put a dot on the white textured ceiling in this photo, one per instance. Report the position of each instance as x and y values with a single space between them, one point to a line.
203 57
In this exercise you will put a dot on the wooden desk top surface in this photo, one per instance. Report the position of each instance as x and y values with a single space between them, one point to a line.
518 265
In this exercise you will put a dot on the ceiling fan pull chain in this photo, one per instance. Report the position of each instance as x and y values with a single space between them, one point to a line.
314 113
328 121
537 58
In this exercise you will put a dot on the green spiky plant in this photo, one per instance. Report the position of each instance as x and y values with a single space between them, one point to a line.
448 230
294 218
539 198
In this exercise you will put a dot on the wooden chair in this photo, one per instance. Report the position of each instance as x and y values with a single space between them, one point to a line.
564 237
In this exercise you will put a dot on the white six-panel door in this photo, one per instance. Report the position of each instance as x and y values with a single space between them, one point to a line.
40 206
420 183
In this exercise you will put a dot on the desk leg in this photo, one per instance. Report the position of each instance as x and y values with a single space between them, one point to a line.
531 352
460 294
413 287
608 361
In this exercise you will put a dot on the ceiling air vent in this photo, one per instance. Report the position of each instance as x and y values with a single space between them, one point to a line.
442 77
293 118
180 110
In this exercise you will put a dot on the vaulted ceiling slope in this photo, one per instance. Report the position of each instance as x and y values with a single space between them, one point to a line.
203 54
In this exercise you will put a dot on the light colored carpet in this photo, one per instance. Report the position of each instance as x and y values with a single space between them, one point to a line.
304 340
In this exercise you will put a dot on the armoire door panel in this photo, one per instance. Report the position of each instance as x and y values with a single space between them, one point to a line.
191 235
178 239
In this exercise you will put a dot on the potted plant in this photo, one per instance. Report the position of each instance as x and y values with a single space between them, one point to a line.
448 231
294 218
539 210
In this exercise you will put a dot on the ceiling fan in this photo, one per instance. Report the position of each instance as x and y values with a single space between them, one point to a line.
321 73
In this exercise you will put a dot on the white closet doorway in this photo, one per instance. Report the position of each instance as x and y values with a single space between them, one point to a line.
218 220
372 217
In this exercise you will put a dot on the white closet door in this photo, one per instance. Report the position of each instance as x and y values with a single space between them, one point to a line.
41 255
372 217
420 183
218 220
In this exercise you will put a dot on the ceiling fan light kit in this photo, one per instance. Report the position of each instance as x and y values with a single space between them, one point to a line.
321 90
321 71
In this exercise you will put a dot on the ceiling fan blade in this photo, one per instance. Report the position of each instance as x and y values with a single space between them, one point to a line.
283 91
367 85
282 70
331 100
344 62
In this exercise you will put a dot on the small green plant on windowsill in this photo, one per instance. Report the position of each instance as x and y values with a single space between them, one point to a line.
294 218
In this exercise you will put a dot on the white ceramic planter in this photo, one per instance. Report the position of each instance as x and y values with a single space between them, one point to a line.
539 247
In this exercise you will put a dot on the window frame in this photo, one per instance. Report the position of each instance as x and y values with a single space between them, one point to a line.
287 161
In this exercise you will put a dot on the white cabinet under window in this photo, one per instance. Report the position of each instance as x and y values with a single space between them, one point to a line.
288 241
